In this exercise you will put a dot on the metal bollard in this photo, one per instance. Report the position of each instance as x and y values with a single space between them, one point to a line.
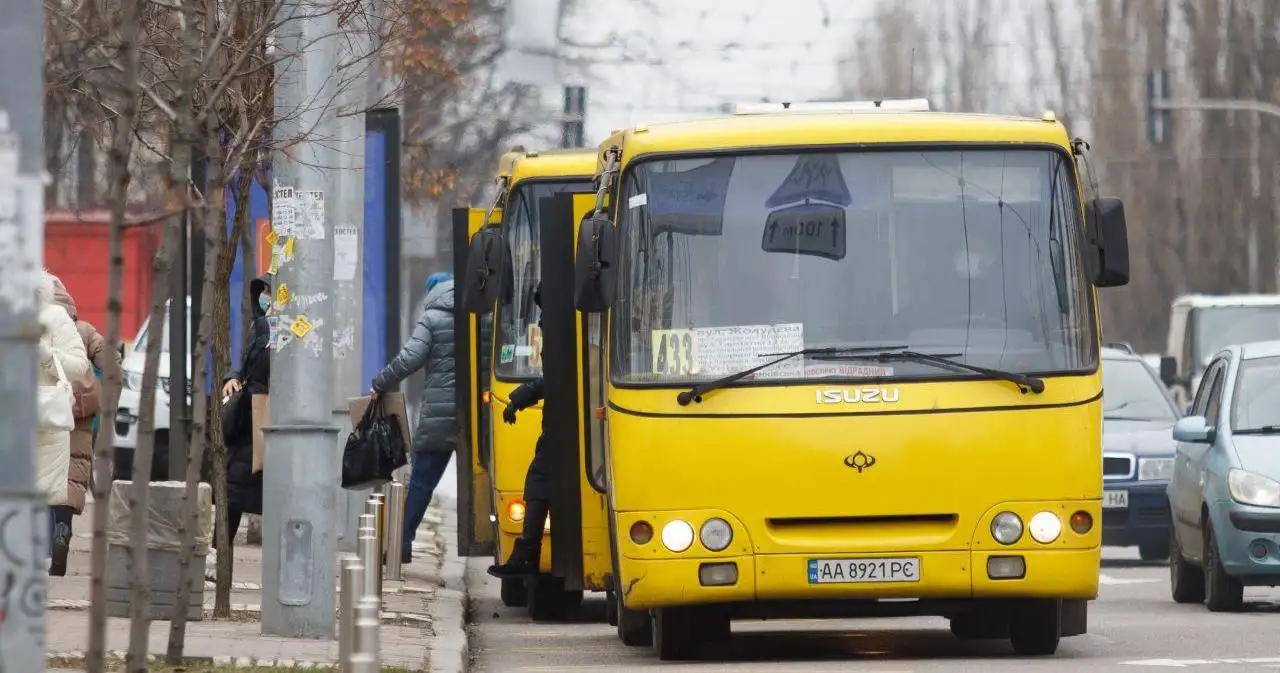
366 657
379 523
395 530
352 587
367 543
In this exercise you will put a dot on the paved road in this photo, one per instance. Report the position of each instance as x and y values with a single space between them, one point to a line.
1134 625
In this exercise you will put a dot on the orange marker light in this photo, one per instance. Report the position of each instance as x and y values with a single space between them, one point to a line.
484 397
641 532
515 511
1081 522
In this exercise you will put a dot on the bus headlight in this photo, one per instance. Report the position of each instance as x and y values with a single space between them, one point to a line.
716 534
1006 528
677 535
1045 527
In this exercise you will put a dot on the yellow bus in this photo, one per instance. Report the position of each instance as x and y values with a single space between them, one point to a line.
498 360
851 369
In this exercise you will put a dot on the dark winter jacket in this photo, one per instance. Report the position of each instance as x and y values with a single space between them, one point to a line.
244 487
430 347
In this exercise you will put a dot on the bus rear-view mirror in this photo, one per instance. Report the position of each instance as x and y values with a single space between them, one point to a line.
595 274
1109 240
481 278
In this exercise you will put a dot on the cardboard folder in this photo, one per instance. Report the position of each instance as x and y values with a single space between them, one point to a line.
261 412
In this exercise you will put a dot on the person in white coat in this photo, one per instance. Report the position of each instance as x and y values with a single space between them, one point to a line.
60 344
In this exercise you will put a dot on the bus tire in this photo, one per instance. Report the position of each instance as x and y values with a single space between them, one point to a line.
634 629
611 608
1035 627
677 633
514 593
547 599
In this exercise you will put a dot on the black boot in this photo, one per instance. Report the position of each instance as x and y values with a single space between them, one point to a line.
523 561
61 548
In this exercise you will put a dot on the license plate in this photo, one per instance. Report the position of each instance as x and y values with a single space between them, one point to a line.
1115 499
843 571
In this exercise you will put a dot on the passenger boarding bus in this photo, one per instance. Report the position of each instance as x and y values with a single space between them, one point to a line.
851 369
499 454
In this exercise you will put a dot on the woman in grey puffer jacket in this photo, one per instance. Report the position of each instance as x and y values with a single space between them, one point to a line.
430 347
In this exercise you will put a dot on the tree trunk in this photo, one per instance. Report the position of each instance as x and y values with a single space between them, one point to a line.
199 412
104 446
140 496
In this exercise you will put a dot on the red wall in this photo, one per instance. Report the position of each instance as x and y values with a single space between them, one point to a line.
78 252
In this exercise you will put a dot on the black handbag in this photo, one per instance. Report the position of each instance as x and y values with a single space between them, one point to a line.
375 449
237 417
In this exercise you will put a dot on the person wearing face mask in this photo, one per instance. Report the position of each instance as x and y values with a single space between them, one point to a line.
527 550
252 377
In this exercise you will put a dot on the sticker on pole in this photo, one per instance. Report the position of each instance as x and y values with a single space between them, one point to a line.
272 237
301 326
288 249
311 221
275 262
273 325
282 296
284 210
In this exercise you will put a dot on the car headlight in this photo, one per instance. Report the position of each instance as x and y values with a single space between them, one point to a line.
1248 488
1152 469
132 380
1045 527
1006 528
716 534
677 535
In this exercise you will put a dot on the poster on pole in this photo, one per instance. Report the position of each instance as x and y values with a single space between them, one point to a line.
346 251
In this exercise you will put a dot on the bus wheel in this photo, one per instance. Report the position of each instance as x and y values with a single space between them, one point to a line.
611 608
513 593
547 600
634 629
677 633
1035 627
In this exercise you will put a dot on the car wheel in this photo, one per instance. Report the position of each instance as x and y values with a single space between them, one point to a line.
1222 592
1036 627
1185 580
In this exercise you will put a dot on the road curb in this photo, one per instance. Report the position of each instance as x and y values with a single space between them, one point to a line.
450 649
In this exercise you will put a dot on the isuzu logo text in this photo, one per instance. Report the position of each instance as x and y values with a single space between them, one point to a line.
856 395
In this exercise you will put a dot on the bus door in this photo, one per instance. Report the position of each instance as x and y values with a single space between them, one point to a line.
561 408
479 256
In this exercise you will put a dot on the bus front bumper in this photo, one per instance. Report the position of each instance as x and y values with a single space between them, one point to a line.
944 576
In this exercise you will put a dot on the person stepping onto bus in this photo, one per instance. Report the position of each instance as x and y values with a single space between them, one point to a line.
527 551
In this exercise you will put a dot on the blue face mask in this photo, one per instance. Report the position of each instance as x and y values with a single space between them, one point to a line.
264 302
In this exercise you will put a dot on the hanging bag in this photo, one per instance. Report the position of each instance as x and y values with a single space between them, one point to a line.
55 404
375 449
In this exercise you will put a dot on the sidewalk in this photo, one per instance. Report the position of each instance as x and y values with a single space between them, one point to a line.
423 621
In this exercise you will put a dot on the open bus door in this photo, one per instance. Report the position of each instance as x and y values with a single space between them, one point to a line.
561 407
478 255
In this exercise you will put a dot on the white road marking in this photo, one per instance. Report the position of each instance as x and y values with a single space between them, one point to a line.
1107 579
1183 663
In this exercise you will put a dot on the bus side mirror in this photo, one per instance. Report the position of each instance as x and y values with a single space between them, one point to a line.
595 273
480 280
1108 235
1168 370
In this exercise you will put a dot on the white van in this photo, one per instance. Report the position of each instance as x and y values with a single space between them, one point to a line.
126 425
1200 325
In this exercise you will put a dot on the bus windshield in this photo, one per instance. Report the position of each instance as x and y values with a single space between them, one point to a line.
970 254
518 336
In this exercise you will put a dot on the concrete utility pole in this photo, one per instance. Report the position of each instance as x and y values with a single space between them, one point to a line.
24 524
300 467
348 264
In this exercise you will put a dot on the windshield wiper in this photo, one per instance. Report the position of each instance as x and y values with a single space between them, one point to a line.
695 393
1264 430
1025 382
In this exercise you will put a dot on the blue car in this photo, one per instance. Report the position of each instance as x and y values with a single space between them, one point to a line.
1225 490
1137 454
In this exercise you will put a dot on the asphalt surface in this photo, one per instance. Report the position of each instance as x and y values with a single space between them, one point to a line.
1134 624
